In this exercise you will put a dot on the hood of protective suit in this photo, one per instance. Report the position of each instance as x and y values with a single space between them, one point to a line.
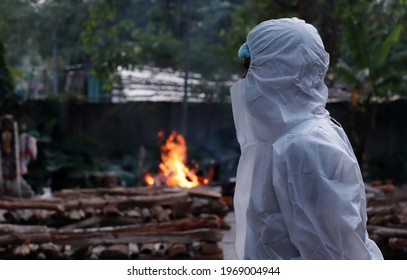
299 191
287 70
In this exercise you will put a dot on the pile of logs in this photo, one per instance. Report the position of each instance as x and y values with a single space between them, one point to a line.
117 223
387 222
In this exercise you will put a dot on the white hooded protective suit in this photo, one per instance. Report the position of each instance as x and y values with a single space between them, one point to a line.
299 191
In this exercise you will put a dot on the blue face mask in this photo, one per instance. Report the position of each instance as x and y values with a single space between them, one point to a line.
244 51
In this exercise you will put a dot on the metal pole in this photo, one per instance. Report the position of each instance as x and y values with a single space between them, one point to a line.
186 70
54 63
17 155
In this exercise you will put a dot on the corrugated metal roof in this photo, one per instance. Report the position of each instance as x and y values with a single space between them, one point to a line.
167 85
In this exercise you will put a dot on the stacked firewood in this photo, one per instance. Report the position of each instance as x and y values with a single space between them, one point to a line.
117 223
387 222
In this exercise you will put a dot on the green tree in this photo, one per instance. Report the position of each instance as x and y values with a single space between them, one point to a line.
109 39
372 62
57 33
42 35
59 24
17 19
154 32
6 84
8 99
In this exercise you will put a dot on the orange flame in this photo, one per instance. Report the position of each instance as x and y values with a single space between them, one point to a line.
173 169
149 179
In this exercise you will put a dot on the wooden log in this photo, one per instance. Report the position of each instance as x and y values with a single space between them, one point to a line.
91 221
30 216
19 234
398 196
135 213
15 239
387 232
51 251
12 217
42 215
111 209
128 202
146 215
41 256
210 248
133 250
22 250
7 229
380 210
76 193
80 252
382 220
97 202
217 207
147 248
96 251
159 213
31 204
195 246
398 244
171 237
402 219
178 250
117 191
137 234
204 193
67 251
209 221
76 214
160 249
89 211
113 252
181 210
198 203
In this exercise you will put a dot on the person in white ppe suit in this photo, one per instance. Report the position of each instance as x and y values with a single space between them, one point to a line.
299 190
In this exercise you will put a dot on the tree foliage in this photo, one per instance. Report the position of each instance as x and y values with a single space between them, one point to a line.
8 99
6 85
371 63
17 19
155 32
372 47
107 39
60 23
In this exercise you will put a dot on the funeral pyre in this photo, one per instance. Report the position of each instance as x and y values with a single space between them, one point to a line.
387 220
173 169
114 223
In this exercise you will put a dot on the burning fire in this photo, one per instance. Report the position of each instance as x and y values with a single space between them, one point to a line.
173 170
